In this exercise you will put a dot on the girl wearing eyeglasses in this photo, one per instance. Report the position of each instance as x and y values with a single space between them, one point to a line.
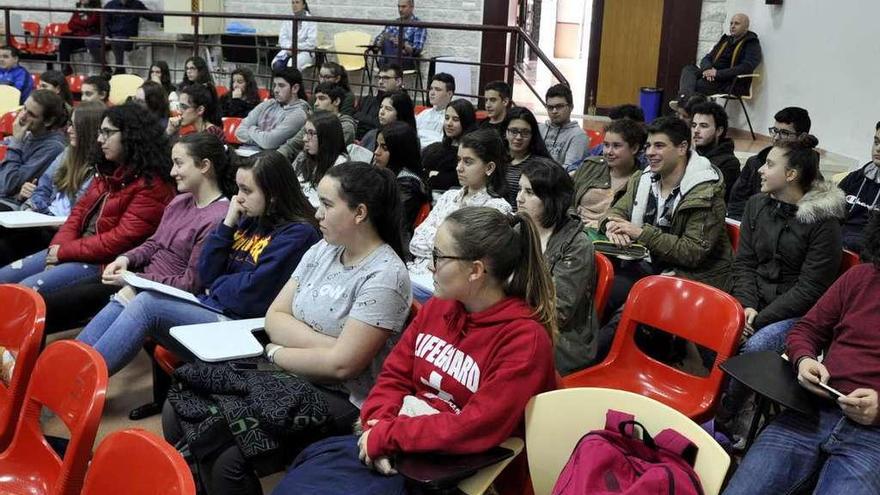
525 144
323 147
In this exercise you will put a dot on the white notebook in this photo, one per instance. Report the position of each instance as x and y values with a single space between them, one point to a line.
29 219
221 341
144 284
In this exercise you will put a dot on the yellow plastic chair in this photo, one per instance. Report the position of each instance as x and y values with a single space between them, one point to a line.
836 178
354 42
480 482
9 98
122 86
556 420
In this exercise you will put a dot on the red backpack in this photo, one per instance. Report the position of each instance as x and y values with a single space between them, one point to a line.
616 461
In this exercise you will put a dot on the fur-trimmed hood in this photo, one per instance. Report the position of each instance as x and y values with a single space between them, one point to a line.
824 200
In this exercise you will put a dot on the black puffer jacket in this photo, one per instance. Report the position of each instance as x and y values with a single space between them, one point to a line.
747 185
722 157
788 254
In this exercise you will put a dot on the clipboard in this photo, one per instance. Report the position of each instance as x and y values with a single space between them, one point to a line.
222 340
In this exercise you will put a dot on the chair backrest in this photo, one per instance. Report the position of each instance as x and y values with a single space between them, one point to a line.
352 42
69 379
75 81
122 86
732 232
264 94
556 420
10 98
595 137
604 279
136 462
6 122
49 42
221 90
849 260
22 319
230 124
423 213
696 312
32 36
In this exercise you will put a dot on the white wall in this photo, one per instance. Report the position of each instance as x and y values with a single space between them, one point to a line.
821 55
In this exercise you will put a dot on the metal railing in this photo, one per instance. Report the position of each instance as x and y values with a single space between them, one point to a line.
515 38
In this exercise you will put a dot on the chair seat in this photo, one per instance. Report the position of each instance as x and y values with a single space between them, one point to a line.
166 359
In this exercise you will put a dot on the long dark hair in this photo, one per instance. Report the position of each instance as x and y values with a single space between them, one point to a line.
203 74
331 144
554 187
251 91
511 248
488 146
403 147
200 96
467 117
204 145
144 142
57 79
155 99
78 164
403 105
536 143
285 201
375 188
165 78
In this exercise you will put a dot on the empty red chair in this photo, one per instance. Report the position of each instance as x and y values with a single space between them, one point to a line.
230 124
264 93
49 42
604 279
221 90
697 312
6 122
75 81
136 462
595 137
32 31
849 260
733 233
69 379
22 317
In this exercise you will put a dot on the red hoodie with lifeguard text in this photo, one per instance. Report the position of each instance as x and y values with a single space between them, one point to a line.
478 370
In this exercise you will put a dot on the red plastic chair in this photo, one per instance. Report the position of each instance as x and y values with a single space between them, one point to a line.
264 94
49 42
733 233
230 125
221 90
482 115
423 213
6 122
32 32
22 317
849 260
36 79
595 137
75 81
691 310
70 379
137 462
419 109
3 149
604 279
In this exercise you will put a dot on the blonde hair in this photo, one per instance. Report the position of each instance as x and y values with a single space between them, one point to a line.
79 162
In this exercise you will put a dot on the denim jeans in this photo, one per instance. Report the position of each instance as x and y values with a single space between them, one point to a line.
31 271
795 449
118 330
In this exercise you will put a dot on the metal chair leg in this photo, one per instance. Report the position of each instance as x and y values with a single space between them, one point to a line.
748 120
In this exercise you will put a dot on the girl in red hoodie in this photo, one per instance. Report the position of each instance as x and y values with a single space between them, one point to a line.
120 209
460 377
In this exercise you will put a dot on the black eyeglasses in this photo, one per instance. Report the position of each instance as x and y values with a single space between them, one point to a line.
524 133
783 133
435 256
107 133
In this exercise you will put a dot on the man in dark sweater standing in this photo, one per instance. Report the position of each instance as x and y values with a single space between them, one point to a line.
841 443
709 135
735 54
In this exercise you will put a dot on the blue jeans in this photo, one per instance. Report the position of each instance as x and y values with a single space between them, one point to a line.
794 449
118 330
31 272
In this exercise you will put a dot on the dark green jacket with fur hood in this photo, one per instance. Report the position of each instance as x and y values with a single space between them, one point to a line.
697 246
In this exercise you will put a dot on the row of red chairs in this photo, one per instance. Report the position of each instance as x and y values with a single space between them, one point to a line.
70 380
38 41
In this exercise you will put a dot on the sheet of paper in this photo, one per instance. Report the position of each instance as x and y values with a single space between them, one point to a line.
144 284
28 219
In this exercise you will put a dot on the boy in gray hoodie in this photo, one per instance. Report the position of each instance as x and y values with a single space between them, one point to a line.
271 123
37 139
564 138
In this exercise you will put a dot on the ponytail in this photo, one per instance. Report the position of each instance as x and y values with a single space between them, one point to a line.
803 157
511 248
203 145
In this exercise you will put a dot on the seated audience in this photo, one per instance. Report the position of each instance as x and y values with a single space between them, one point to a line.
481 169
836 449
789 251
333 323
429 122
324 147
675 208
627 111
524 146
242 265
196 104
153 97
306 39
862 189
96 88
84 29
276 120
55 82
328 96
396 105
205 181
545 195
160 73
440 160
413 38
709 135
120 27
735 54
684 109
13 74
196 71
60 186
564 138
119 210
243 94
333 73
497 101
397 149
790 124
37 139
390 79
601 181
494 311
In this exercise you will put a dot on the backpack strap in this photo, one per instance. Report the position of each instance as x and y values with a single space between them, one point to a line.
614 418
673 441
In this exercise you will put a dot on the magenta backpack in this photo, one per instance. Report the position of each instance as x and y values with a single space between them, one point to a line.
616 461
